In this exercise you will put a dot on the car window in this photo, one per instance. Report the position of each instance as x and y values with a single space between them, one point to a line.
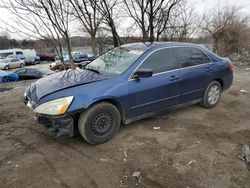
160 61
19 53
189 56
20 71
31 72
14 60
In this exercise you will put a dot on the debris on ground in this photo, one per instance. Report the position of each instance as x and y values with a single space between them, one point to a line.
125 154
245 155
138 176
9 162
157 128
192 162
243 91
103 160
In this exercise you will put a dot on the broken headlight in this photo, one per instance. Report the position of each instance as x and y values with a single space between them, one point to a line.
55 107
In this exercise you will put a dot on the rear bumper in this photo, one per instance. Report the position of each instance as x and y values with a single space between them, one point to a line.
61 126
228 81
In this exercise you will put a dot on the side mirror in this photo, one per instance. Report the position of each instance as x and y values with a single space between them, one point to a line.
143 73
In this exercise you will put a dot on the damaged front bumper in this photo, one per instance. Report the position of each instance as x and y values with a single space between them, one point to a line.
61 126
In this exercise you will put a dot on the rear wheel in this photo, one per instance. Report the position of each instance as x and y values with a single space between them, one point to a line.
7 67
99 123
21 65
212 95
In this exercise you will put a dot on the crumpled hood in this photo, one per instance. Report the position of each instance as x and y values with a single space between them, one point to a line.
61 80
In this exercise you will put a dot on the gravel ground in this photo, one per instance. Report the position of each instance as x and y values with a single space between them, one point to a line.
194 147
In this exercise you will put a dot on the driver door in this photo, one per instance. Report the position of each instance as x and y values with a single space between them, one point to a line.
159 92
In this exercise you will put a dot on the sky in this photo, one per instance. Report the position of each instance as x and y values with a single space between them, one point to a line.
201 7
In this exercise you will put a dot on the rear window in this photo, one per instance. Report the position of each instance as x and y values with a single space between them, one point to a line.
189 56
31 71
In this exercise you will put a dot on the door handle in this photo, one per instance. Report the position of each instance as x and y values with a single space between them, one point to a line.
173 78
209 69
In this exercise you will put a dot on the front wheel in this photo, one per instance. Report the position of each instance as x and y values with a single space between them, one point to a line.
212 95
99 123
21 65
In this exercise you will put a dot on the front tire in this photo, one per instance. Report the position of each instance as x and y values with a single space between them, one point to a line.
212 95
99 123
21 65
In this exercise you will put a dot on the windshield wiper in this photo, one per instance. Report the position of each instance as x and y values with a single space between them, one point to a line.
93 70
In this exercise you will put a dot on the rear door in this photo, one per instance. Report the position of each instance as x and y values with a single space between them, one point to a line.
162 90
196 71
14 63
31 74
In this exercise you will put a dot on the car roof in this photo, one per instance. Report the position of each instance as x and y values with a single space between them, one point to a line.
148 45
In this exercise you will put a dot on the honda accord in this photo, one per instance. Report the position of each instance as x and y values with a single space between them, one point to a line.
128 83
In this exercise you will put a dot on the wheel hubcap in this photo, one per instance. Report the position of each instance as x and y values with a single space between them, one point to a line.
213 94
102 124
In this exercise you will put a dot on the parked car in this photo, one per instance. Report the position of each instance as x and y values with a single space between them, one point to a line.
8 76
9 63
46 57
33 73
57 64
78 58
32 60
126 84
79 61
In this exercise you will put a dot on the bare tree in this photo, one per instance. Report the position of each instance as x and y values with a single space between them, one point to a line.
219 22
88 14
42 19
108 8
184 24
151 16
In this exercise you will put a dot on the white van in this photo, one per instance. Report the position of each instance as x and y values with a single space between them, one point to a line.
29 56
14 53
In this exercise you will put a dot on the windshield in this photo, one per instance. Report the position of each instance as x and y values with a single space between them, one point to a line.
115 62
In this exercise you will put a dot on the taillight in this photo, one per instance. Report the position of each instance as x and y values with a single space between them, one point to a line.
231 67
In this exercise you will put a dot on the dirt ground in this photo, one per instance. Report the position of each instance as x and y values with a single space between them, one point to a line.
194 147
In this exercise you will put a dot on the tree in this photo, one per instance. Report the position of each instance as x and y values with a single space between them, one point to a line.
184 24
88 14
42 19
224 25
109 13
151 16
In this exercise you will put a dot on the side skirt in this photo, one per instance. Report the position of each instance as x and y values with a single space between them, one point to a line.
127 121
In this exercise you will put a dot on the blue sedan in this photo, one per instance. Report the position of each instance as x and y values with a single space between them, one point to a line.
126 84
8 76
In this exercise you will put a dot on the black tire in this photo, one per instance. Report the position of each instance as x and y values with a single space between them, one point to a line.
206 101
7 67
21 65
99 123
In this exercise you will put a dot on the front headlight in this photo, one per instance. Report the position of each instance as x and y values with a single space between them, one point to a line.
55 107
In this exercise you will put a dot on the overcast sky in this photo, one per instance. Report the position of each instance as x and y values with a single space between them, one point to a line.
201 6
